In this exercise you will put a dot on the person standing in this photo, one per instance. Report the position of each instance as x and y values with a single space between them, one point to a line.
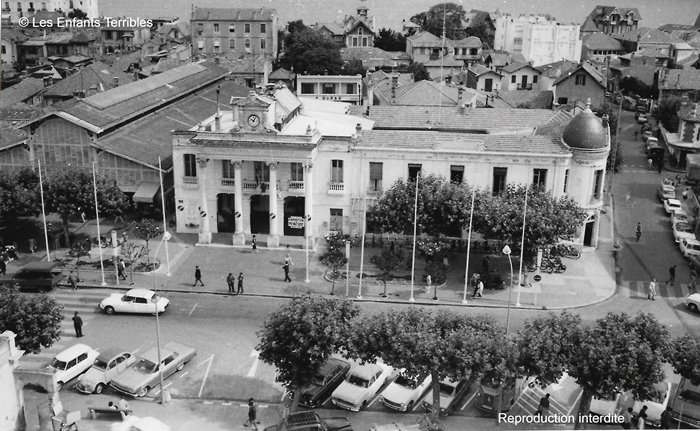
230 280
32 245
543 408
286 270
3 266
685 193
672 275
123 405
240 283
255 244
641 422
639 230
121 267
72 280
485 265
479 289
666 418
197 276
288 255
252 414
627 419
78 325
652 290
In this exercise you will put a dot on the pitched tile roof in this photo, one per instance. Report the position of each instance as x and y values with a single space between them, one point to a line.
647 35
681 79
9 136
450 118
588 25
479 69
514 67
422 93
20 113
538 144
527 99
553 70
604 11
98 74
602 41
20 92
332 27
467 42
448 60
371 57
282 74
586 67
233 14
425 38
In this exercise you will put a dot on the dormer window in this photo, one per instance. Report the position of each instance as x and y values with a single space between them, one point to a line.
359 31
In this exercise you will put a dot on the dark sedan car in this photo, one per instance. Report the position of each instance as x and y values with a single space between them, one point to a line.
328 378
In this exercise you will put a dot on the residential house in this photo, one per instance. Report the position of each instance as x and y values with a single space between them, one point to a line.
550 72
248 70
579 84
123 38
425 46
685 141
161 21
70 62
496 60
423 93
12 11
598 47
178 31
647 38
520 76
38 50
341 88
375 58
684 83
334 31
467 50
540 39
283 76
682 53
613 20
26 91
359 31
10 37
446 68
87 81
384 79
642 65
482 78
478 18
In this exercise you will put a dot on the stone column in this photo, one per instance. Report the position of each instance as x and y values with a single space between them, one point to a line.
273 238
308 202
204 232
238 236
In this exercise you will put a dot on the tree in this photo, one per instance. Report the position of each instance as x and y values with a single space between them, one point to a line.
443 207
618 353
19 194
334 258
483 32
69 192
389 40
300 337
683 355
667 113
77 13
387 262
443 344
548 219
311 52
631 84
35 319
419 71
147 229
354 67
450 14
615 155
133 253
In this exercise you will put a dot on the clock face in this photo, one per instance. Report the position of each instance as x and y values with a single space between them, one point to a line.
254 121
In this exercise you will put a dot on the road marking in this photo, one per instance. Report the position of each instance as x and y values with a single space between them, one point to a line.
469 400
190 313
166 387
256 354
184 374
210 360
208 402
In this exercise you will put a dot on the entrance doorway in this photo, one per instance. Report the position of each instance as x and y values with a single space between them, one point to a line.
588 233
488 84
226 212
336 224
524 82
260 214
294 216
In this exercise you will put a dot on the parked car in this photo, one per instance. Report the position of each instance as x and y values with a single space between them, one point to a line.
134 301
311 421
666 192
679 216
646 127
642 118
690 247
671 205
656 406
145 373
682 230
650 143
405 391
450 394
325 382
361 385
72 362
110 363
692 301
38 276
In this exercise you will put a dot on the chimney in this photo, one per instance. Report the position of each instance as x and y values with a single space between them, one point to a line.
115 81
394 84
448 80
216 60
358 131
217 123
605 120
460 92
47 81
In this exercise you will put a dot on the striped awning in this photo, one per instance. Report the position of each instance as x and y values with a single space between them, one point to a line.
146 192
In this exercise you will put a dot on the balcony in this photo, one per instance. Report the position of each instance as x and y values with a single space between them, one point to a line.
336 188
374 191
228 182
249 185
190 182
296 187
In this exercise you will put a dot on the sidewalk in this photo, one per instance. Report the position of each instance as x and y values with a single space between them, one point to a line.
588 280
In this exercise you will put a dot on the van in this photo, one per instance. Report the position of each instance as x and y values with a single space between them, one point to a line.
38 276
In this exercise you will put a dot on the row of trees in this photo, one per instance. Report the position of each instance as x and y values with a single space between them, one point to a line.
615 354
450 16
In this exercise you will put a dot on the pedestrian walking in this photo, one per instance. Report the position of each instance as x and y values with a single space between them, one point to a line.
255 244
485 265
642 417
639 230
78 325
288 256
428 283
672 275
685 193
479 289
543 408
240 283
627 419
252 414
636 133
32 245
197 276
230 280
474 281
121 268
666 418
286 270
72 280
652 290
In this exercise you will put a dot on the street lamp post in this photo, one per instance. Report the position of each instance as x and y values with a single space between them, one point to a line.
97 218
506 251
166 237
522 251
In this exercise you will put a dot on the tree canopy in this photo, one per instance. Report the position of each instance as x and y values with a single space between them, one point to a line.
390 40
300 337
19 194
419 71
35 319
483 32
683 355
667 113
432 20
146 229
308 51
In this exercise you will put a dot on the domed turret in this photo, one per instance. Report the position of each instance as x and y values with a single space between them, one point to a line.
585 131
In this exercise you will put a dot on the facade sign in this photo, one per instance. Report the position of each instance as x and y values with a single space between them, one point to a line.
295 222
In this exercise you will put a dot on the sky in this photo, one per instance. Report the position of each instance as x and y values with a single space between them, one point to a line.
653 12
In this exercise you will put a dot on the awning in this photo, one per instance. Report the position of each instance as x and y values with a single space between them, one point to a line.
145 192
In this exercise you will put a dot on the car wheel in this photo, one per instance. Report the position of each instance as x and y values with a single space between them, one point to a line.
693 308
99 388
181 366
109 310
59 386
142 392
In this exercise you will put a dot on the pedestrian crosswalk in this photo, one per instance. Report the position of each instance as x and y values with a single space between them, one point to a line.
82 301
632 289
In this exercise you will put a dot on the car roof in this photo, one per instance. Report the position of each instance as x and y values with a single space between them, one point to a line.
331 365
673 202
141 293
683 224
73 351
109 353
152 355
40 266
692 241
366 371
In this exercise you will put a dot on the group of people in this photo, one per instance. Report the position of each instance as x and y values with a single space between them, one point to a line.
638 420
231 281
120 405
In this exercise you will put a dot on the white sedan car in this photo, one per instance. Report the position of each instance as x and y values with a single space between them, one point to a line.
682 230
134 301
361 385
671 205
690 247
405 391
692 301
679 216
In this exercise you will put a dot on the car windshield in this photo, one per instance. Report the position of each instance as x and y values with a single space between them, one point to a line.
145 366
358 381
446 389
59 365
405 381
691 396
99 363
683 227
319 380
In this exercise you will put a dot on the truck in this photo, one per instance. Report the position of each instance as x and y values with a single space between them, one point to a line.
685 402
311 421
692 170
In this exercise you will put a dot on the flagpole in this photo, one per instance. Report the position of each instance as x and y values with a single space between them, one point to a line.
162 201
522 249
415 225
97 215
43 214
469 247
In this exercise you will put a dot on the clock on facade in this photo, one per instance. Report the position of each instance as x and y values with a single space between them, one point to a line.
253 121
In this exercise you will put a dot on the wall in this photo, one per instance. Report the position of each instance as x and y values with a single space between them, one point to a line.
592 90
14 159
